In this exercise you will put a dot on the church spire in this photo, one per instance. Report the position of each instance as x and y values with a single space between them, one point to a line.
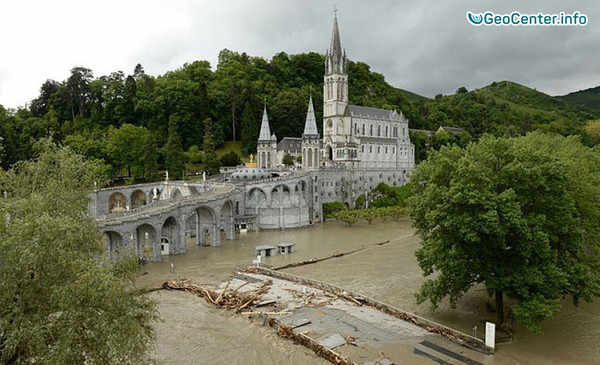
310 127
335 59
265 131
336 45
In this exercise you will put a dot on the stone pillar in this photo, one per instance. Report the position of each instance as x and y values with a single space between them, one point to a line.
216 234
127 240
134 242
182 248
156 255
230 228
200 239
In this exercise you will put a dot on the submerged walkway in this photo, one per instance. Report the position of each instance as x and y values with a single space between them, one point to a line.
340 325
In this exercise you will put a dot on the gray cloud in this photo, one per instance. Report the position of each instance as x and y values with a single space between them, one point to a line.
424 46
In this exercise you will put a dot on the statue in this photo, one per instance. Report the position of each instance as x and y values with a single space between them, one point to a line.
167 176
203 175
251 158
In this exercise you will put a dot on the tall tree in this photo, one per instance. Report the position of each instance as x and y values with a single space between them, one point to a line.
211 162
249 130
41 105
518 215
175 156
150 156
78 90
62 301
128 102
125 148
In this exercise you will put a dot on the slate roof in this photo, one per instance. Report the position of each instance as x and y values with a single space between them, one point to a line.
371 113
287 144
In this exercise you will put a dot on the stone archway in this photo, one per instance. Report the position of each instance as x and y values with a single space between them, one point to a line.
114 244
227 220
169 237
330 153
147 245
117 203
207 228
176 194
138 199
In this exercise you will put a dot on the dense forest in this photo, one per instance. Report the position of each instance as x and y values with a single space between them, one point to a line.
141 124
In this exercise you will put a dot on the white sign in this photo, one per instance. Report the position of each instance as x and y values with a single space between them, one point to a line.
257 261
490 334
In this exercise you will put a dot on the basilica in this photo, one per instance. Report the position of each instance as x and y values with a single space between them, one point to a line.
354 137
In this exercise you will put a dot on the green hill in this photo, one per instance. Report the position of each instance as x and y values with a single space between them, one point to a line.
412 96
589 98
505 108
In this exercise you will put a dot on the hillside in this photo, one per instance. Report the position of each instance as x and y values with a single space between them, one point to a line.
94 114
505 107
412 97
589 98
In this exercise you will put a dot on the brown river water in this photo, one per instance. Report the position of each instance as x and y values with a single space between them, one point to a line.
192 332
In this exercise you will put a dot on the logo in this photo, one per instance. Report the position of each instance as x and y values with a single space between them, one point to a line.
517 19
475 19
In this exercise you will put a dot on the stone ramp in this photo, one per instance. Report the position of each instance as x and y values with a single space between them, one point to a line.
361 333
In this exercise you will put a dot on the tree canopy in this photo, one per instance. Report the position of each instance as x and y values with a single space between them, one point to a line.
61 300
518 215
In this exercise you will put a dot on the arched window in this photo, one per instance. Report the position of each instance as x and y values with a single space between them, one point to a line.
378 131
371 129
386 130
363 129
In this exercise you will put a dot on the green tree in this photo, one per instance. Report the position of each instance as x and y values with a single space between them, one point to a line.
330 208
369 214
230 159
150 156
125 148
347 216
249 130
211 162
288 160
62 301
175 156
194 155
516 214
592 128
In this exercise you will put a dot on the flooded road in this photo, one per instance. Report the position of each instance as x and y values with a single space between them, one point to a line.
193 332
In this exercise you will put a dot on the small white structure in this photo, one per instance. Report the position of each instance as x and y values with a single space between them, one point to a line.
266 250
164 246
285 247
490 335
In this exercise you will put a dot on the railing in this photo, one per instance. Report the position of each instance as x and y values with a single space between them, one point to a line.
293 175
169 204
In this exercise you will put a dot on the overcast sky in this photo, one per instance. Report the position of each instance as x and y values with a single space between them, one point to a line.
427 47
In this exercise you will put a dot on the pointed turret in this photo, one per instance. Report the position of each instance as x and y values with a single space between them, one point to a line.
310 127
265 131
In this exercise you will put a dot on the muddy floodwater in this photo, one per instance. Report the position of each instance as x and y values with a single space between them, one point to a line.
193 332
